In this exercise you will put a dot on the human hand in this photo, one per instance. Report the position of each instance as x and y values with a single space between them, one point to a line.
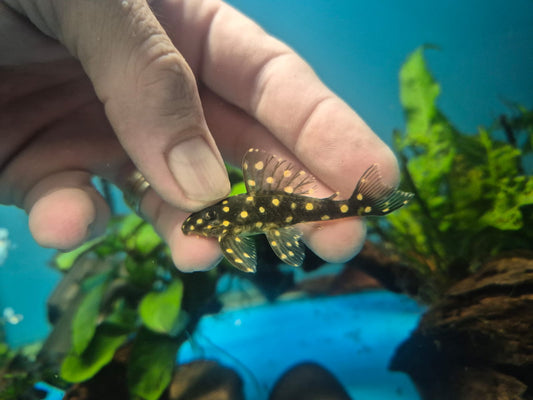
133 97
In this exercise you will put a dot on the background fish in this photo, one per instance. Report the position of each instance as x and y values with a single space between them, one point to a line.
275 201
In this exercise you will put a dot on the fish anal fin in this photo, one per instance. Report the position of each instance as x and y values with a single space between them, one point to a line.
286 244
239 251
268 173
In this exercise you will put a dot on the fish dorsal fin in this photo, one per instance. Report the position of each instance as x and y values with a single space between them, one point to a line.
239 251
286 244
267 173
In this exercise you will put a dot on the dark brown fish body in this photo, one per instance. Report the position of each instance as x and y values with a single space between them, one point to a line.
275 202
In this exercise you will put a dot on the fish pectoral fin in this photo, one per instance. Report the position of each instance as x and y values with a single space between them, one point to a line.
239 251
286 244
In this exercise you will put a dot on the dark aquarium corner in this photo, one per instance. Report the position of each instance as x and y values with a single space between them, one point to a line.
437 305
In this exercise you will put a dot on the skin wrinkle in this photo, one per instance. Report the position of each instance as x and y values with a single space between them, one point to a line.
263 77
202 53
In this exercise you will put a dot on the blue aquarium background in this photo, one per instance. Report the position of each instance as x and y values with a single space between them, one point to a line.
484 59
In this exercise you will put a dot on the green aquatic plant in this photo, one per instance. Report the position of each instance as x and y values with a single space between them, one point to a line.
133 296
473 195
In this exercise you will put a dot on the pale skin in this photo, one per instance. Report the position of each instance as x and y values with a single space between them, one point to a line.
171 88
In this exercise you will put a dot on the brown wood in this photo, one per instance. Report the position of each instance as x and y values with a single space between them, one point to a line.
477 342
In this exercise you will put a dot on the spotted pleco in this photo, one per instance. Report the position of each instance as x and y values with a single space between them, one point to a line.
277 198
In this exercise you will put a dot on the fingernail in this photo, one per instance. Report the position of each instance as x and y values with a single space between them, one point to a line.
198 171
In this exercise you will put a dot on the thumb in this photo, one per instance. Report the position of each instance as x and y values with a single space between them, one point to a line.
148 91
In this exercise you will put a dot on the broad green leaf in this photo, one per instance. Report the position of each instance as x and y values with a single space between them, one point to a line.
151 364
159 311
418 93
129 225
78 368
234 173
238 188
146 239
122 316
85 321
142 272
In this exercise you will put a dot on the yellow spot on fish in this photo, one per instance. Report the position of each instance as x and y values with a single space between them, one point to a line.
288 189
258 224
209 226
238 261
244 214
291 253
287 173
324 217
273 243
251 182
288 219
225 223
293 206
237 230
225 202
276 232
250 199
309 206
246 255
269 179
199 221
344 208
238 240
225 209
283 256
191 228
229 251
245 165
405 201
359 196
224 232
275 201
289 244
385 210
301 173
368 209
259 165
261 210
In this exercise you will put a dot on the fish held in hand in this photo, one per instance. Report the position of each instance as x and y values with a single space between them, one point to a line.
277 198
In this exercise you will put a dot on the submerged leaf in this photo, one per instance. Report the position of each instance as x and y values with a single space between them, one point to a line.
78 368
418 92
144 240
64 261
160 311
86 318
151 364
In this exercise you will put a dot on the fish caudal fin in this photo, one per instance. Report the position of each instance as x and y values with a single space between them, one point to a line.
372 197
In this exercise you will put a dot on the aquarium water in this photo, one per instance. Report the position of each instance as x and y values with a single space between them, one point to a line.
485 59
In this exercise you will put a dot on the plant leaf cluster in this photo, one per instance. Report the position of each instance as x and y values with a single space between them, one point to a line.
473 197
137 298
